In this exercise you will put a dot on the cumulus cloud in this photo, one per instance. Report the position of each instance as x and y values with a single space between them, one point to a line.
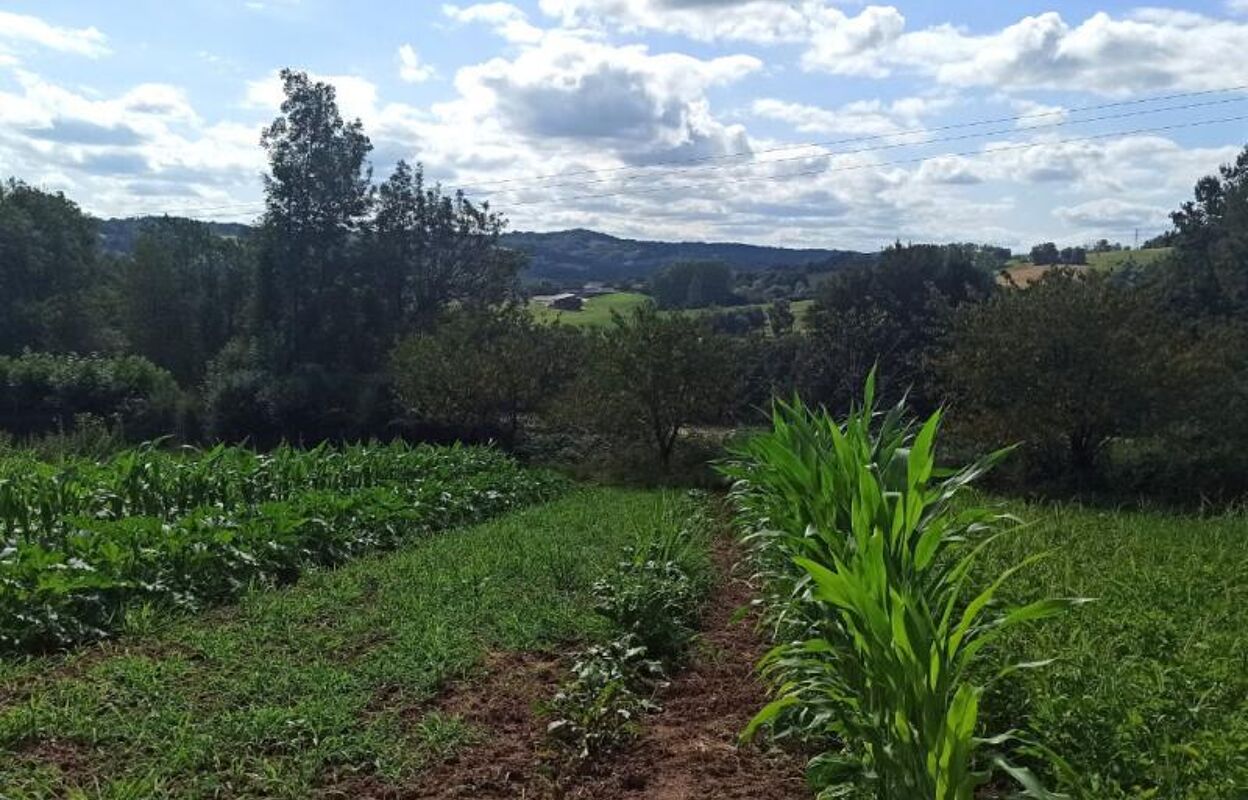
505 19
863 117
23 29
1112 215
570 86
411 68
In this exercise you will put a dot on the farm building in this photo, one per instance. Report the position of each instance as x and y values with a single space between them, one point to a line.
565 301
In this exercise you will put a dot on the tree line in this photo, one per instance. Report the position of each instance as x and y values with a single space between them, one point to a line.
378 309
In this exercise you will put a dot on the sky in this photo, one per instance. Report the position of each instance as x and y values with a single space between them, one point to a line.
801 123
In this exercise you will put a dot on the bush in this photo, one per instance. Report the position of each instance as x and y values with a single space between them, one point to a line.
41 393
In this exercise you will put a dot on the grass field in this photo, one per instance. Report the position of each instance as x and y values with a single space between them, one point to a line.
1149 696
596 311
1024 272
293 690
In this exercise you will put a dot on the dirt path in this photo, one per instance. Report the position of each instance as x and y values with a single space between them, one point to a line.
686 751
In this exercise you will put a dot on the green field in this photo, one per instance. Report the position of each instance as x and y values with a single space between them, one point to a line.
597 310
1115 259
1149 695
291 690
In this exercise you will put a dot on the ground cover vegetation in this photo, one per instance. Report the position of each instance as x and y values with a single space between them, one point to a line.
85 544
313 688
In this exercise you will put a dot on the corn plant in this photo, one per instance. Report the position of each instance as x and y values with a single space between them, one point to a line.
867 565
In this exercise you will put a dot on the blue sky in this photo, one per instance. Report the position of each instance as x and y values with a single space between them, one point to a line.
791 122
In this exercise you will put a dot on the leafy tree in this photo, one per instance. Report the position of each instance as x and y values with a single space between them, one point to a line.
50 275
481 371
890 314
1209 273
317 198
183 294
1046 254
693 284
780 317
650 375
1064 365
432 250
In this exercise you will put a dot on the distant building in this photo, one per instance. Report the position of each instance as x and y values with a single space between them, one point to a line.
567 301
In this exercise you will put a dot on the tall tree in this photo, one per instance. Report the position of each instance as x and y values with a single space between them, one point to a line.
183 295
49 274
431 250
317 198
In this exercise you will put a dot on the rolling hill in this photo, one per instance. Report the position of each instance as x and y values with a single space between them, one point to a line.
582 255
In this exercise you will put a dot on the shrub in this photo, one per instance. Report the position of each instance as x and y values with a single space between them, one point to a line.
42 392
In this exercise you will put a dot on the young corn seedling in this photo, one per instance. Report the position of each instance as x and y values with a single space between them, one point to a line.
868 565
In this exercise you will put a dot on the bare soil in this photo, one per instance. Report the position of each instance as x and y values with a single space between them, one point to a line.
688 750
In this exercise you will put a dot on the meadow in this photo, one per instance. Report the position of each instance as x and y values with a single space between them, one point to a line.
597 310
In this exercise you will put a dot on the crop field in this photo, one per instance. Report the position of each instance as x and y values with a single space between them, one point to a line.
1098 653
294 691
86 544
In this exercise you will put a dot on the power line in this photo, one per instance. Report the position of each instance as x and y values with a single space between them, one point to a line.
195 212
899 162
891 146
857 139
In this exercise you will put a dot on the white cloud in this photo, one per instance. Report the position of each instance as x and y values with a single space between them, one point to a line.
356 96
1237 6
507 21
763 21
862 117
1112 215
24 29
411 68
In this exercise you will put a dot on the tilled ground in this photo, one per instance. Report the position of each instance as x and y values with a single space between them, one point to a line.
688 750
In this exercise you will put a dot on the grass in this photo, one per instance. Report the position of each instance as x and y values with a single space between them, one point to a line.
294 690
1149 698
596 311
1024 272
1116 258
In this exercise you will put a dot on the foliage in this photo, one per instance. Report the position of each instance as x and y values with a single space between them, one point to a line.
867 561
648 376
611 686
49 265
652 599
40 393
1208 276
85 543
432 250
1148 699
479 372
183 295
693 284
1063 365
323 684
890 315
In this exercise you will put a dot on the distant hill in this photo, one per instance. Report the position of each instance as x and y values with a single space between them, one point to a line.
119 236
575 256
582 255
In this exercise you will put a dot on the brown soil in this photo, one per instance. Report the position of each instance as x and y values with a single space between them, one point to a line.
688 750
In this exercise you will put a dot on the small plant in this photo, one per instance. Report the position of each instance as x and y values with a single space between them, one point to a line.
652 597
868 561
612 685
